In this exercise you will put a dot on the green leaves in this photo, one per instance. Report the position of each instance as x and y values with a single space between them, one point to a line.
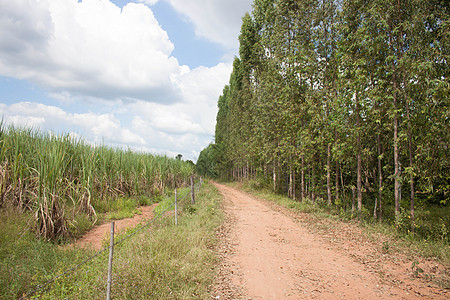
366 77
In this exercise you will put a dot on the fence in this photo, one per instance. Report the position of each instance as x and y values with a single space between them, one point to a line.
193 190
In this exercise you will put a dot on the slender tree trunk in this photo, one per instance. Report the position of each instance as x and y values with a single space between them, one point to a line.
336 196
265 172
396 158
410 150
320 190
342 184
397 197
308 186
293 186
274 177
353 199
313 185
358 145
248 171
337 171
380 177
302 192
291 178
411 174
239 171
329 173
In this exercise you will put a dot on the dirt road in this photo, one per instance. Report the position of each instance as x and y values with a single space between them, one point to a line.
96 236
269 253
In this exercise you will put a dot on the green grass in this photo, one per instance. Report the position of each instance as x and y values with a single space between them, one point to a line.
167 202
163 262
120 208
26 261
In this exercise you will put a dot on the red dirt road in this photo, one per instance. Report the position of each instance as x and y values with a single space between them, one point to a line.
95 237
270 253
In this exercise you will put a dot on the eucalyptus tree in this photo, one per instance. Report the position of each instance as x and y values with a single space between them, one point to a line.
354 75
359 85
221 133
248 52
325 32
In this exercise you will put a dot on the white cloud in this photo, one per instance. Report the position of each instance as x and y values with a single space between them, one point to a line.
89 48
200 88
148 2
217 20
185 127
96 128
94 53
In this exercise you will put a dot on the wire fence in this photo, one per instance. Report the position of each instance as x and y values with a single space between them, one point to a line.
194 189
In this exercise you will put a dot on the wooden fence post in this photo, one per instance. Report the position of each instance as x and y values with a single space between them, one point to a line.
111 249
192 191
176 218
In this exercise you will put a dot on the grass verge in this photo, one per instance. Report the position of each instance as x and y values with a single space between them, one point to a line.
163 262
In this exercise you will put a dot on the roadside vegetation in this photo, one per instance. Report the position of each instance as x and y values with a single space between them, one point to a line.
66 185
54 188
163 261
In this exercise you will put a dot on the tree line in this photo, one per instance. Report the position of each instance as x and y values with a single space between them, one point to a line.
332 100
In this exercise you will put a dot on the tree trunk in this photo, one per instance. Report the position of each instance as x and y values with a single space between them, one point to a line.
410 150
342 184
358 145
397 197
353 199
265 172
247 171
308 186
380 177
293 186
274 176
337 171
411 174
313 185
396 158
302 193
329 173
290 192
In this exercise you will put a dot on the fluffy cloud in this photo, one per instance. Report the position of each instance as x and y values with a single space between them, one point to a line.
218 20
185 127
94 54
95 128
88 48
197 113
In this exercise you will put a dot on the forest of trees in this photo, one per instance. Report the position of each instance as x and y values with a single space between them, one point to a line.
332 100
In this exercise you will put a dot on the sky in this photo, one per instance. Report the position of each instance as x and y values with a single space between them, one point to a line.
142 75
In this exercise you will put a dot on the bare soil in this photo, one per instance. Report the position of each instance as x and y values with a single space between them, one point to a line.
268 252
95 237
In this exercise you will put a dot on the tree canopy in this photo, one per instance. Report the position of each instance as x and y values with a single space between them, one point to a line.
337 99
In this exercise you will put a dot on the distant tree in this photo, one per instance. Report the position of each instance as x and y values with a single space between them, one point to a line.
179 156
206 163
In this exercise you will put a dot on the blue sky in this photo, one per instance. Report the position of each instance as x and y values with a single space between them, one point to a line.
143 74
